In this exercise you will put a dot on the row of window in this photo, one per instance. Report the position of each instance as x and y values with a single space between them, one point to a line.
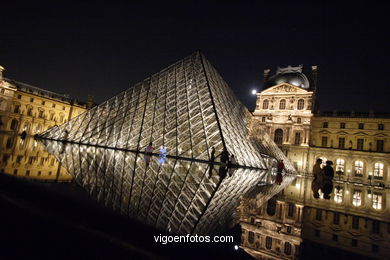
31 160
43 102
359 144
14 126
268 243
360 126
41 113
358 167
354 242
282 104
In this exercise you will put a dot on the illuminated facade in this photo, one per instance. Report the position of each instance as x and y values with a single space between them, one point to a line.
356 218
25 108
185 110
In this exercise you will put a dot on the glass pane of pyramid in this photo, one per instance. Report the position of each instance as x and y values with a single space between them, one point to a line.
186 109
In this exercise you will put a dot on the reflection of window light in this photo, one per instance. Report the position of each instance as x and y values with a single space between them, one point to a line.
357 198
377 201
338 195
299 163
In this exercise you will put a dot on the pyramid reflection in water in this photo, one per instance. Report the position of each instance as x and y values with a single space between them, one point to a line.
188 108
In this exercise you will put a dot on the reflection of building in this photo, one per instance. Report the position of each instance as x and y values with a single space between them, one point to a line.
355 220
33 110
357 143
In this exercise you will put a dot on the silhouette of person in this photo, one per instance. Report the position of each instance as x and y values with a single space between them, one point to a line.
317 183
148 153
328 179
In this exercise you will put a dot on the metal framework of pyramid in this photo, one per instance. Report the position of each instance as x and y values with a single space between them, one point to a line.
188 108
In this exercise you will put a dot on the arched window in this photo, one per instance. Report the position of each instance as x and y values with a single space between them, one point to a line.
301 104
14 125
251 237
278 136
287 248
340 163
265 104
359 168
338 194
271 206
282 104
268 242
378 170
323 160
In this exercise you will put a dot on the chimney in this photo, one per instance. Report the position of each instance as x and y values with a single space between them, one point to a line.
90 102
265 77
1 73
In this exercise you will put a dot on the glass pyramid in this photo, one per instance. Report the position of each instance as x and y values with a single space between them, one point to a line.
188 109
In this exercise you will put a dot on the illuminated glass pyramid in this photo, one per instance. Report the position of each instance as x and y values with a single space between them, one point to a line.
187 108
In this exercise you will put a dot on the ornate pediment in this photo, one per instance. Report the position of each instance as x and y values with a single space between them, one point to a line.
285 88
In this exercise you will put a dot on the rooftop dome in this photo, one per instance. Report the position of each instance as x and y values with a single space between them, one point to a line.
291 75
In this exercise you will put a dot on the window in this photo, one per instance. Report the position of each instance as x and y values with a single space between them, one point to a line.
28 173
335 238
251 237
360 143
61 118
324 141
298 138
263 119
357 198
19 158
268 242
378 170
42 161
299 120
14 124
265 104
19 96
39 173
63 108
355 222
381 127
342 125
342 142
29 111
301 104
43 102
52 162
318 214
361 126
54 105
2 91
40 114
282 104
340 163
338 195
379 145
5 157
359 168
49 173
271 206
336 218
10 142
16 108
325 125
51 116
287 248
31 99
31 160
354 243
15 171
377 201
375 226
278 136
289 229
291 210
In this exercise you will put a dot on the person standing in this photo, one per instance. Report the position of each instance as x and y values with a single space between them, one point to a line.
317 183
328 179
148 153
279 176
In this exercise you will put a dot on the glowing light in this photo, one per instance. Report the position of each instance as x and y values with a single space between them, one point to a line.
236 247
298 186
300 163
254 91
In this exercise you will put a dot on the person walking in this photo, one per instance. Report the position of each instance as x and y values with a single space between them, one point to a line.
148 153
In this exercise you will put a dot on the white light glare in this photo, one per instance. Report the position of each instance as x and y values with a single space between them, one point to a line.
254 91
235 247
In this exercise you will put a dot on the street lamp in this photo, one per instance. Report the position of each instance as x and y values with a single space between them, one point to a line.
254 91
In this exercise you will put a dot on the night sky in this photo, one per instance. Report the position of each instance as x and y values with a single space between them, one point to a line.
103 48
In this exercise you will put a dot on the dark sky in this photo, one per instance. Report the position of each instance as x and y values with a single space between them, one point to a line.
103 48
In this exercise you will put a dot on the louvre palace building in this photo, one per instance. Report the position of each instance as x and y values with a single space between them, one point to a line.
356 218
